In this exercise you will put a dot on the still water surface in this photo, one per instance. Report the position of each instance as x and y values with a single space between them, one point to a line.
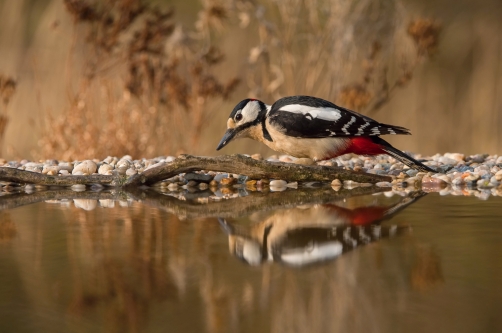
367 263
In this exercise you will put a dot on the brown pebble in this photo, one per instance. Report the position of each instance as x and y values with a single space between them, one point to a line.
432 184
227 181
192 183
265 181
213 183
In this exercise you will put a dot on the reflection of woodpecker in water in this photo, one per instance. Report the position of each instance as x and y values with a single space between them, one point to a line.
307 235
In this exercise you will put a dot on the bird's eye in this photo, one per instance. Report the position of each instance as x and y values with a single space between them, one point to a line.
238 117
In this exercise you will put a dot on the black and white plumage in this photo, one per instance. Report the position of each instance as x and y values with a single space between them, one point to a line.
305 126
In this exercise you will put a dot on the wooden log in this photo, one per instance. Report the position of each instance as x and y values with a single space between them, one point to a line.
235 164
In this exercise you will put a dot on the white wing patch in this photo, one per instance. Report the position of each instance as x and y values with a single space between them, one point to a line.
344 128
330 114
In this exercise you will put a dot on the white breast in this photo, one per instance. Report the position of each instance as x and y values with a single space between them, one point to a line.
316 149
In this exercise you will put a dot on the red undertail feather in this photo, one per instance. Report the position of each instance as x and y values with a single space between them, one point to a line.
363 146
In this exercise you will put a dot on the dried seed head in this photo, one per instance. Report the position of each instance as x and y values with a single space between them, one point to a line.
81 10
7 88
425 33
355 97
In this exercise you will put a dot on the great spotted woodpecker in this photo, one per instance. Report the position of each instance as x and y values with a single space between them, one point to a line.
305 126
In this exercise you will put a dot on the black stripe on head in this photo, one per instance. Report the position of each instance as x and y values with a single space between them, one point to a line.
239 106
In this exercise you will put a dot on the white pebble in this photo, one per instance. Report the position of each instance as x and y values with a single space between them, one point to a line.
336 182
87 167
277 188
292 185
104 169
78 187
278 183
130 172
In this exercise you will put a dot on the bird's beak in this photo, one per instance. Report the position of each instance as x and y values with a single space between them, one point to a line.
227 137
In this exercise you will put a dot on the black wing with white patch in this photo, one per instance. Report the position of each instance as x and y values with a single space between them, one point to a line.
311 117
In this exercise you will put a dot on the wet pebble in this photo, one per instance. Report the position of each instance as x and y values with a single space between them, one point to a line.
278 183
199 177
227 181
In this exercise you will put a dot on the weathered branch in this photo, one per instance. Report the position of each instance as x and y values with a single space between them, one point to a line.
238 164
254 169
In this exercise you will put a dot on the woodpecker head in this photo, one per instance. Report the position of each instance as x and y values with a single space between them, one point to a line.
246 115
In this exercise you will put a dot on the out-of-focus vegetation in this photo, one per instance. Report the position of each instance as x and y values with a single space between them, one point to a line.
140 77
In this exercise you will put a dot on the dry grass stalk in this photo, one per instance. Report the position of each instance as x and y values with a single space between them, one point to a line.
307 48
7 90
373 91
148 87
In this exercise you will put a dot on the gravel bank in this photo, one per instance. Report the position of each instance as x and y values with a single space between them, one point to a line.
458 174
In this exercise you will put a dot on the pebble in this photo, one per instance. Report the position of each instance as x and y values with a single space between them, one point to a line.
278 188
336 182
105 169
78 187
192 183
87 167
278 183
131 171
199 177
432 184
227 181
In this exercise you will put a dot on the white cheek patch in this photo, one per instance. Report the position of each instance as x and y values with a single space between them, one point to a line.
250 112
329 114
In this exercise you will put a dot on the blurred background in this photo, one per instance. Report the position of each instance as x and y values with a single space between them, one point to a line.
87 78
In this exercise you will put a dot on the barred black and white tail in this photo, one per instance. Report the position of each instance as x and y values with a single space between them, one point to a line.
402 157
